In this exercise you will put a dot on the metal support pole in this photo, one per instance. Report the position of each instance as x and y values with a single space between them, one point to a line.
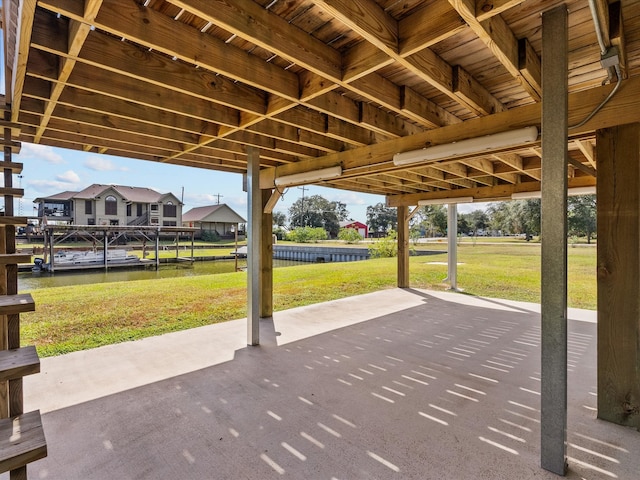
236 243
105 249
452 246
553 428
254 201
52 266
158 249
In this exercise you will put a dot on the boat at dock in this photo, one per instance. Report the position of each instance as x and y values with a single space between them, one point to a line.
68 260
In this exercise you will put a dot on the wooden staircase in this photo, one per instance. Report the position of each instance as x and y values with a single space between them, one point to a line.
21 435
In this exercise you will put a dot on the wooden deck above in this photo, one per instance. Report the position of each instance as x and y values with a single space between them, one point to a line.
314 84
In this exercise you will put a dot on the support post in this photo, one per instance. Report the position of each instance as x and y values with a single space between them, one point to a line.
105 250
452 246
553 429
266 259
158 249
618 151
403 247
236 244
255 212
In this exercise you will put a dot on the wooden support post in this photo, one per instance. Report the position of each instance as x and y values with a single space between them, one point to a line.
452 246
618 153
403 247
255 233
553 428
266 259
193 236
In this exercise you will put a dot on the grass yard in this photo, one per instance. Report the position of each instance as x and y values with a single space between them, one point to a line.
81 317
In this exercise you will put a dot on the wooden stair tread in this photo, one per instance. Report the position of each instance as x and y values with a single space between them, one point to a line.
18 363
20 303
14 258
12 220
15 167
21 441
16 192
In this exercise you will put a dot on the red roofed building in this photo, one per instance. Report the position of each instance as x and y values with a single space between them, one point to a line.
359 226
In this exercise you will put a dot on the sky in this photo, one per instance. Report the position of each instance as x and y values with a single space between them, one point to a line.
49 170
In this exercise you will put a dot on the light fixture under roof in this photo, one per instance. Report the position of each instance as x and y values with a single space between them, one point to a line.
311 176
572 192
440 201
479 145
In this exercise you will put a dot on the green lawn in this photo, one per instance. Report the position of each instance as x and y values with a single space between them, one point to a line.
87 316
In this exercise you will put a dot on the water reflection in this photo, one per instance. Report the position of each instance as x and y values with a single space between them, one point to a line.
29 281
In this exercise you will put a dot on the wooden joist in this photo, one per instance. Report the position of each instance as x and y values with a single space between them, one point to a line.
22 441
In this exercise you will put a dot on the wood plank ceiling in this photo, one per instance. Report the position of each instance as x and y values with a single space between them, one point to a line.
311 84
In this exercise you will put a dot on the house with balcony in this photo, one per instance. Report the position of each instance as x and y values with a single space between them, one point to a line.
112 205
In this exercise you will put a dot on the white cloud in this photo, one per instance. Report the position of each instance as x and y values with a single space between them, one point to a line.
68 180
68 177
349 198
42 152
101 164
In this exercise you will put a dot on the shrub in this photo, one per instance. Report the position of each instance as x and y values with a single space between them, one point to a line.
210 236
385 247
307 235
349 235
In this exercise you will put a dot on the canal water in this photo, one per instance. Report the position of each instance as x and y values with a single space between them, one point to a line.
28 281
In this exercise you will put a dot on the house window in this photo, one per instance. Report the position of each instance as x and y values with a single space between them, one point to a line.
169 210
88 207
154 207
139 210
128 210
169 223
110 205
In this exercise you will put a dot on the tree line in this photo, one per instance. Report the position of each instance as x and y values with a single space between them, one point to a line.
515 217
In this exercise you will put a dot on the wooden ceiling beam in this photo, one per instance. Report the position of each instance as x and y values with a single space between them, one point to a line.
498 37
484 194
427 26
91 78
515 161
123 143
266 29
380 29
485 9
21 54
624 107
76 34
156 26
588 150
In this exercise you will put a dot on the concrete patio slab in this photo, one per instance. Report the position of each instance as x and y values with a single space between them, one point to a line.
396 384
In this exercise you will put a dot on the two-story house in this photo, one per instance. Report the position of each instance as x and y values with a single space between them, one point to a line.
112 205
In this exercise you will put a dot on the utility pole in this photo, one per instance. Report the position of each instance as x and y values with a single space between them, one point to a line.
218 196
304 189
